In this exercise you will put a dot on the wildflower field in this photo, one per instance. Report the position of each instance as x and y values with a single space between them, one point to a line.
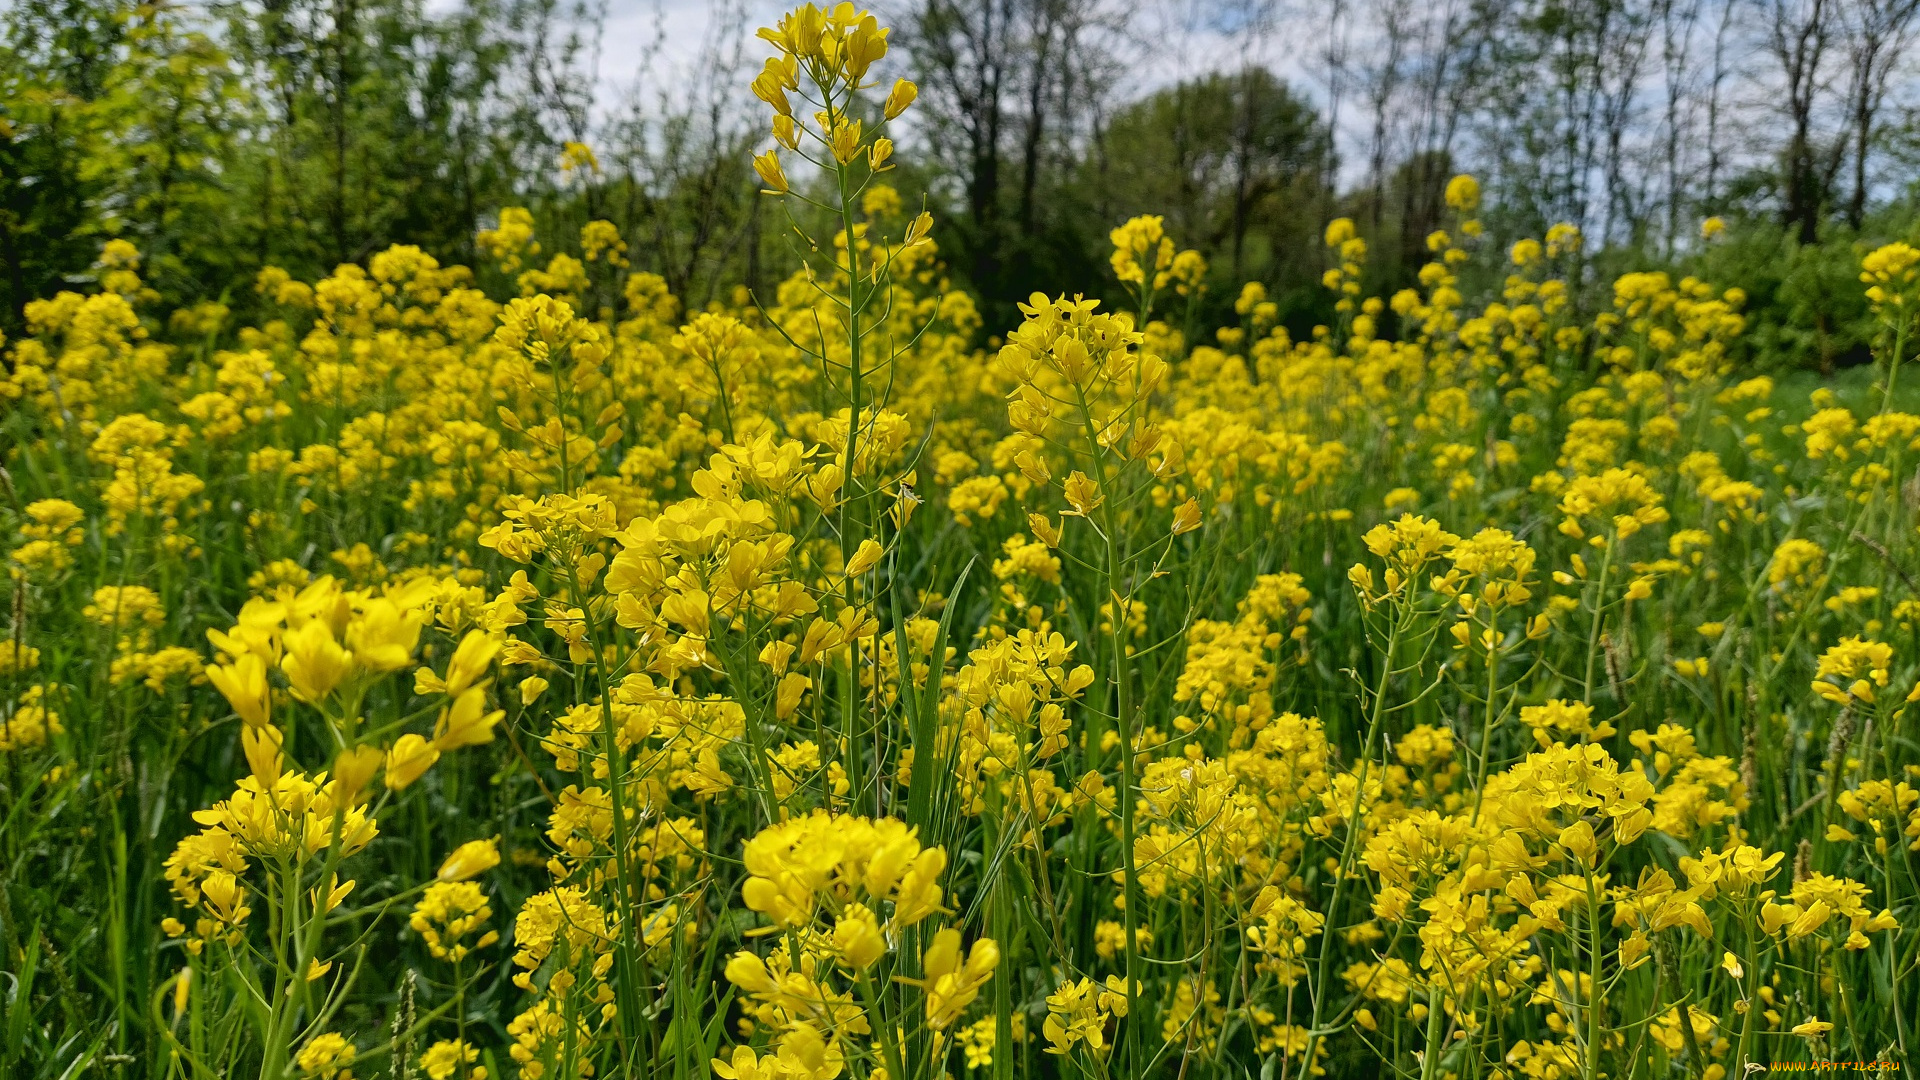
510 672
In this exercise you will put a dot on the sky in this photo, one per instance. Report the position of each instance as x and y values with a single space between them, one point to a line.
646 45
651 50
1175 39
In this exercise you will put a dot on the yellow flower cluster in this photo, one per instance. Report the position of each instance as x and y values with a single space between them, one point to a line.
1474 685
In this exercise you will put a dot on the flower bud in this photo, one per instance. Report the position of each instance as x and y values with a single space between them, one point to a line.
900 98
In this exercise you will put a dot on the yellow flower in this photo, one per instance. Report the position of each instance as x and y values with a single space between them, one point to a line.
900 98
865 46
857 937
600 237
469 860
451 1059
768 166
1891 274
470 660
1044 530
447 913
225 897
314 662
531 688
1186 517
865 558
578 156
1078 1012
355 767
774 80
1813 1030
244 684
1563 238
791 864
383 635
326 1057
1851 669
746 1065
1082 493
508 240
125 606
261 744
409 758
1617 500
1142 247
1578 840
843 141
466 722
1463 194
951 983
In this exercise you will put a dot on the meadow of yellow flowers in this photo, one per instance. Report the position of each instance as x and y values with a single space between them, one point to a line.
419 685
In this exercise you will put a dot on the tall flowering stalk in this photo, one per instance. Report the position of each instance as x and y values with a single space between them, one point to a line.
825 60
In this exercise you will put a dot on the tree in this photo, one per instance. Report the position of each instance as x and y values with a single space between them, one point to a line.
1225 157
1799 33
1878 33
966 56
54 64
1677 20
168 113
358 146
681 179
1012 94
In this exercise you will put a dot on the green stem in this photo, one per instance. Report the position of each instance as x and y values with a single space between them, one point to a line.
853 524
1329 928
1599 609
1430 1056
1123 706
627 1006
1486 729
1893 364
1596 996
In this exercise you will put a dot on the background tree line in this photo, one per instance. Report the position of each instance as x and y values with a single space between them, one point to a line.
228 135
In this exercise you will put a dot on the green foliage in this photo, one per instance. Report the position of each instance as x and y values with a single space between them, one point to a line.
225 138
1237 162
51 65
